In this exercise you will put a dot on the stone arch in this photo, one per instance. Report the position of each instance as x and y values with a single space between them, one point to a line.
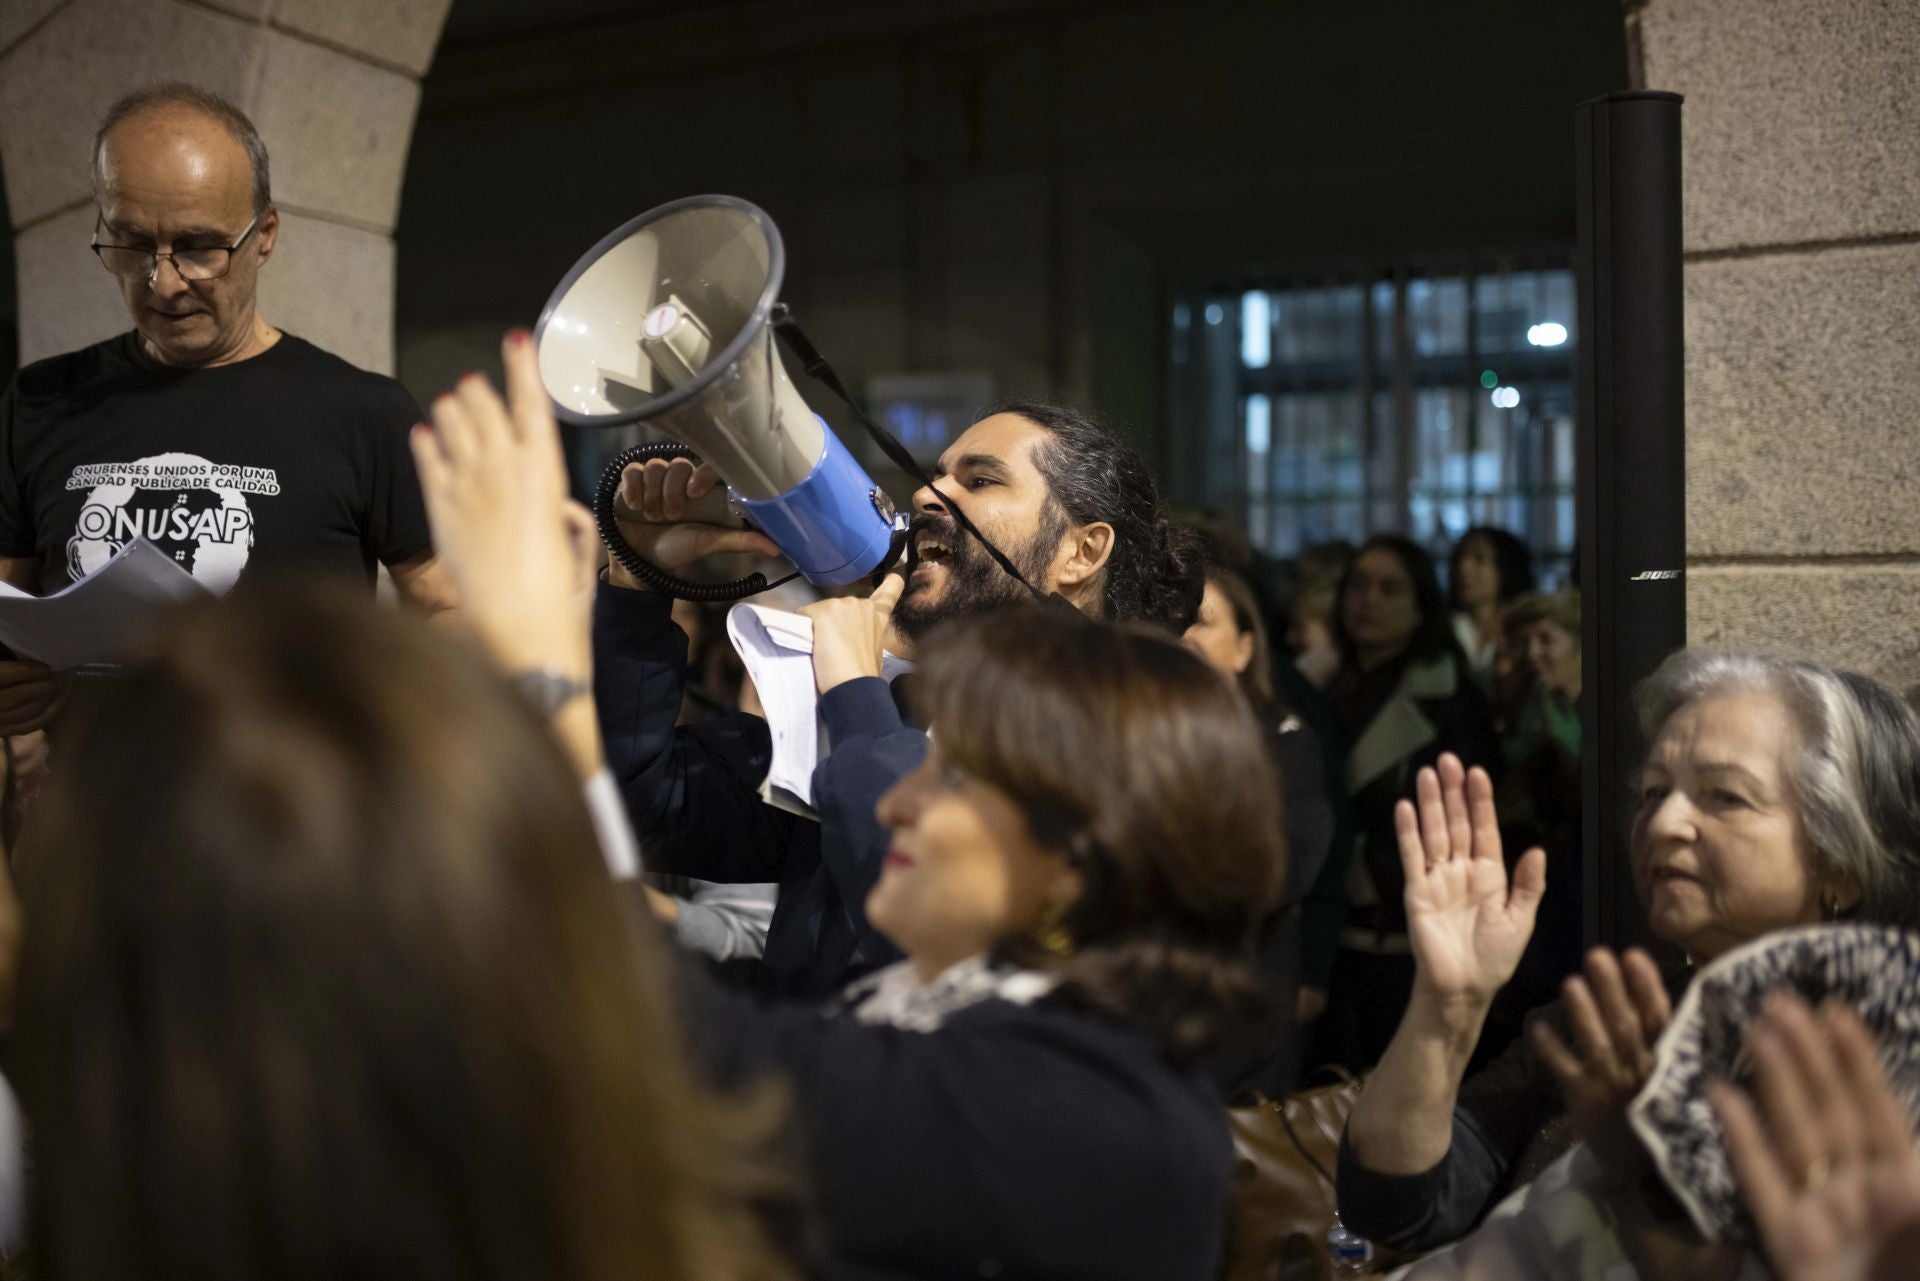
333 86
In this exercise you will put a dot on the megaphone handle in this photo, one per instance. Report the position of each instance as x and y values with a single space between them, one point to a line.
639 566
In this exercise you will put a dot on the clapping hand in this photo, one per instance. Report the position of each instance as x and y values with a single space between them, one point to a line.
1832 1176
1468 926
1617 1010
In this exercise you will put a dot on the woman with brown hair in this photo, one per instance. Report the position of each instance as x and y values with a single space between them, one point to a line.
1076 874
325 977
1230 635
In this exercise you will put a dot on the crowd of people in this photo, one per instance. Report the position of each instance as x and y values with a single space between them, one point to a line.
339 941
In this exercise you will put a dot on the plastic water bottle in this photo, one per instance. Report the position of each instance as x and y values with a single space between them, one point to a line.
1349 1254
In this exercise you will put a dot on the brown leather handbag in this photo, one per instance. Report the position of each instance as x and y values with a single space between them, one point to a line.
1284 1152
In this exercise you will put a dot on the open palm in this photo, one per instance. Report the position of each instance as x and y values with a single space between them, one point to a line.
1467 925
1827 1162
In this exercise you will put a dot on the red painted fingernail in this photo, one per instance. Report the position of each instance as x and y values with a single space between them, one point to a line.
471 373
518 337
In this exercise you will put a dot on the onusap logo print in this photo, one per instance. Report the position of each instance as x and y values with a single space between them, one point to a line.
194 510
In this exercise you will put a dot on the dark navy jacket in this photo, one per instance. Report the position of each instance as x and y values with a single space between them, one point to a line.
693 794
1014 1141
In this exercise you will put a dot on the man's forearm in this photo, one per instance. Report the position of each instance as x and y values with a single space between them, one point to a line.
425 584
691 791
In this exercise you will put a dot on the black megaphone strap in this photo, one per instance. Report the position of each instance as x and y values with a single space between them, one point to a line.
820 371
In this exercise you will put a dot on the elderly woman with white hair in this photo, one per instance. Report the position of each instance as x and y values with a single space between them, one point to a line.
1775 794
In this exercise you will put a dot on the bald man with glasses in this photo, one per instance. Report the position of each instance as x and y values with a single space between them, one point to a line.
242 451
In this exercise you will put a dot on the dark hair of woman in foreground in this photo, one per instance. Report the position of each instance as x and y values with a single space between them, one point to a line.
325 977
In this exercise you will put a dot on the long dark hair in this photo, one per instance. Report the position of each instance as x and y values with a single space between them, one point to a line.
1434 635
1148 771
326 978
1512 561
1155 573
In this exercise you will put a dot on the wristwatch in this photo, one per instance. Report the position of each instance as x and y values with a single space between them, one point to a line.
548 689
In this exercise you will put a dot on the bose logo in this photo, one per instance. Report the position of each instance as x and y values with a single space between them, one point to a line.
1656 575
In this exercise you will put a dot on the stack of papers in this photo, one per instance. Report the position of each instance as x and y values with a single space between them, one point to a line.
92 622
777 648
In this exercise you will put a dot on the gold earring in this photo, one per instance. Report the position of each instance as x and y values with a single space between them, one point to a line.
1052 934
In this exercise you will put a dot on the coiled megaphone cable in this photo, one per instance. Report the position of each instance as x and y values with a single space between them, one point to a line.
639 566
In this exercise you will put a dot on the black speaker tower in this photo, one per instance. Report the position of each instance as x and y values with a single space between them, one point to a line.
1630 417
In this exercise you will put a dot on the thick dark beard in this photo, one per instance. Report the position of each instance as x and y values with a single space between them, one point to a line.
975 584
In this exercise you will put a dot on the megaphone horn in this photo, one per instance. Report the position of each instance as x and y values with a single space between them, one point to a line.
666 322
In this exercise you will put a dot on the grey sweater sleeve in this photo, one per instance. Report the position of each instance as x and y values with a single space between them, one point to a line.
1501 1110
1419 1212
726 922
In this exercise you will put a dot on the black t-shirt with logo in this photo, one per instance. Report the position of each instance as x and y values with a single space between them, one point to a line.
290 462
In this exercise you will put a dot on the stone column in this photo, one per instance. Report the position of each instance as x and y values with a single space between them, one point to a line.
1802 215
333 86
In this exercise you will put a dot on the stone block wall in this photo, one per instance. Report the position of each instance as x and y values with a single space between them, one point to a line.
333 86
1802 190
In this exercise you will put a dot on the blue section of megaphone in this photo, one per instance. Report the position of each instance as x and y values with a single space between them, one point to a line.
829 525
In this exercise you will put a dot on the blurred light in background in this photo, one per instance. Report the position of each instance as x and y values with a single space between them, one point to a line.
1256 329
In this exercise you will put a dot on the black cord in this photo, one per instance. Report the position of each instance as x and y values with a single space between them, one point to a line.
1279 1106
1280 1110
820 371
816 367
639 566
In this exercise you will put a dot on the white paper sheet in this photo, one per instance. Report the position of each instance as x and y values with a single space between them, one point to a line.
91 621
777 648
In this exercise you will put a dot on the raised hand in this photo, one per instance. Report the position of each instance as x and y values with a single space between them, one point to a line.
1832 1175
850 632
1617 1009
1467 925
496 495
656 501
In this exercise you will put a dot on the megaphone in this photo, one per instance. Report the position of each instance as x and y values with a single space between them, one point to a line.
668 321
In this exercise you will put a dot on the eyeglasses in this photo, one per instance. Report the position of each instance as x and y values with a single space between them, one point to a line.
209 263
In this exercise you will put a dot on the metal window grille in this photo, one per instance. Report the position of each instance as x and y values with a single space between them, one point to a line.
1421 399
